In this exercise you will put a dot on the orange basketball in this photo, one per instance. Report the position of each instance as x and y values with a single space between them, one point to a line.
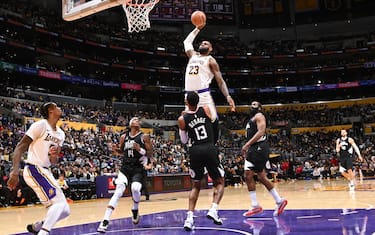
198 18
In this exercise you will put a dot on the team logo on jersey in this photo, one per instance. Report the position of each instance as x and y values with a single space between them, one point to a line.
51 192
192 173
49 137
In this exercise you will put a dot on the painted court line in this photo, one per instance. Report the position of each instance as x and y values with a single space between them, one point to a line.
309 217
236 231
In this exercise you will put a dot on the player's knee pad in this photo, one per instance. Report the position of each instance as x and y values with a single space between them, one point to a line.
136 187
136 191
121 179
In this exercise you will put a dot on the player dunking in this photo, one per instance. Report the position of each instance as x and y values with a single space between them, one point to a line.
256 150
43 141
136 147
200 71
195 127
344 147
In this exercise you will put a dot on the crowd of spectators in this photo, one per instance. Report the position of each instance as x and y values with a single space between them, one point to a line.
223 46
88 153
286 117
150 40
101 31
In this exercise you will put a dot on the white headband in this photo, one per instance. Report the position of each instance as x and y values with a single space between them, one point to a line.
132 120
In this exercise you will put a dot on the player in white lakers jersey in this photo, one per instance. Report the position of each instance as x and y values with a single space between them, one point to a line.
43 142
200 71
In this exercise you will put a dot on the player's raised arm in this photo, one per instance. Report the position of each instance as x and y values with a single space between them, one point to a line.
188 42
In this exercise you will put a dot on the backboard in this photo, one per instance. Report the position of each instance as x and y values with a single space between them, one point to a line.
76 9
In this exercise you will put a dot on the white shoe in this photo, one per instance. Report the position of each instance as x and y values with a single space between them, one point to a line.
213 215
189 224
103 226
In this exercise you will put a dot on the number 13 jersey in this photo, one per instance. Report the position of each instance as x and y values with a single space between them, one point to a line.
199 127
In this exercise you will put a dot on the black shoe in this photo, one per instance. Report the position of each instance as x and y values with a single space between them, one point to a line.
103 226
31 227
147 197
135 218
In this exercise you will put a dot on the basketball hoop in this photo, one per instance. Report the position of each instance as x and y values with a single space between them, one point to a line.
137 14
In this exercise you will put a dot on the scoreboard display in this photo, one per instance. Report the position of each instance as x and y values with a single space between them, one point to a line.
180 10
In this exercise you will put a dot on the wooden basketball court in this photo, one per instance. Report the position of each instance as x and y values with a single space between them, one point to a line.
301 195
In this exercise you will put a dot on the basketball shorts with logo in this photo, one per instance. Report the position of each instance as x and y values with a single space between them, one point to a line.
346 162
205 156
257 156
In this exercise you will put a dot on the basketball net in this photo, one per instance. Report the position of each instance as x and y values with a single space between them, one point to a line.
137 14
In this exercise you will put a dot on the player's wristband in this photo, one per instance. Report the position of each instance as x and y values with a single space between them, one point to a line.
142 151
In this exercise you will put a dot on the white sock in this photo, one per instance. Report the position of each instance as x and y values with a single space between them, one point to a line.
214 206
190 215
275 195
253 197
108 213
135 206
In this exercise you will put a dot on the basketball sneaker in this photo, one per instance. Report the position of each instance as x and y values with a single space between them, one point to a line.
135 217
280 207
35 227
254 211
103 226
189 224
213 215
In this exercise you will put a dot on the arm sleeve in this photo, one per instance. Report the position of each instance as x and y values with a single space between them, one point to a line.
183 136
188 42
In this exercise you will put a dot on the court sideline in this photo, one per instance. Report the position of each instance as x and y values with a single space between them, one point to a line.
312 204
